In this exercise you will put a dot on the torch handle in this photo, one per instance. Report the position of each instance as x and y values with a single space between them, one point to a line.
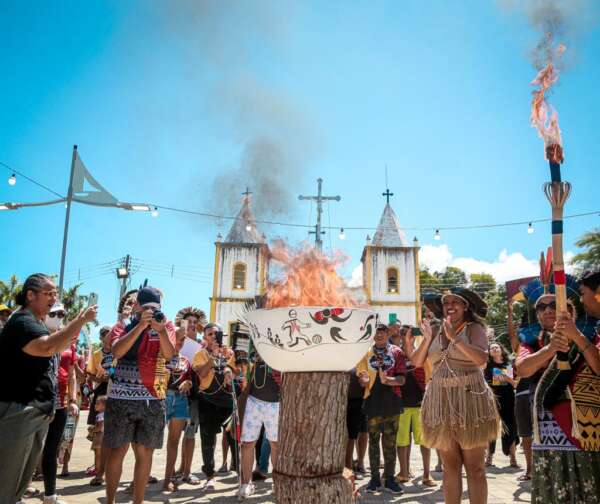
558 262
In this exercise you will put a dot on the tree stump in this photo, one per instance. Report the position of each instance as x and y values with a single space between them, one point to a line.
312 440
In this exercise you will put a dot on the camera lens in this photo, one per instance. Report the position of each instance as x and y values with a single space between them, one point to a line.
159 316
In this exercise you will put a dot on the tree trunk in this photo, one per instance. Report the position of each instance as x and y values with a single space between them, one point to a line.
312 440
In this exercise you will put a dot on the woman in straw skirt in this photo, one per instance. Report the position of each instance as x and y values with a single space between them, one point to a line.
459 415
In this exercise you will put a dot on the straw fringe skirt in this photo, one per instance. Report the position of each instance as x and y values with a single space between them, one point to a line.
458 407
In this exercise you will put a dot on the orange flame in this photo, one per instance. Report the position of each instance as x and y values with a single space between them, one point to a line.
309 279
543 116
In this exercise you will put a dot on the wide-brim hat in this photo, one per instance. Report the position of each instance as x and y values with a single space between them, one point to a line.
433 302
4 308
473 300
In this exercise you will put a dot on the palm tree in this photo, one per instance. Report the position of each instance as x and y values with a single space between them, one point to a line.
591 256
9 290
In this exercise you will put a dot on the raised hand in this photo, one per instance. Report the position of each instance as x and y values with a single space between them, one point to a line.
449 329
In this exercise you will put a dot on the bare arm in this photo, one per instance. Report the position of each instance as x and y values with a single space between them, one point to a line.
567 327
512 333
123 345
530 364
46 346
167 348
419 356
473 352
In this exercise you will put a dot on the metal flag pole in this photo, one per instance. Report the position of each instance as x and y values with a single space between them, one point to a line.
67 218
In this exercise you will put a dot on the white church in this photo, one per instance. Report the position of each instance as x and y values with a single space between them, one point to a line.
390 270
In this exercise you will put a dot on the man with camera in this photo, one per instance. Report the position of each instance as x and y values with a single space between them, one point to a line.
215 366
135 409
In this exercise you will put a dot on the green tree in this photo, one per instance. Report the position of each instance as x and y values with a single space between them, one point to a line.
590 241
9 290
482 282
73 301
452 277
428 280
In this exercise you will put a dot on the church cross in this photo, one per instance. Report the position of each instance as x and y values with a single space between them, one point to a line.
247 192
387 195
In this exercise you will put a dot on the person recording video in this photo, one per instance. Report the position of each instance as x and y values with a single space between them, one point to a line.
216 367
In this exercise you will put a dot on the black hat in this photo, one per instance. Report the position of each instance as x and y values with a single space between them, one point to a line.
433 301
149 296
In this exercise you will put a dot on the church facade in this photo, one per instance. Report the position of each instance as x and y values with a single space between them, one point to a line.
390 270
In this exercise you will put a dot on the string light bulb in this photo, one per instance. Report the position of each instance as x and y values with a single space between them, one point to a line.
248 227
342 234
12 180
437 236
530 228
154 212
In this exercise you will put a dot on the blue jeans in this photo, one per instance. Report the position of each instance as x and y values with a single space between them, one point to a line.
265 453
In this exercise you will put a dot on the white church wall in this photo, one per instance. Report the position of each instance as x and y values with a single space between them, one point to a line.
381 260
228 312
230 256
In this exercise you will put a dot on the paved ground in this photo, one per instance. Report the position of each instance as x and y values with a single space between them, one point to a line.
503 487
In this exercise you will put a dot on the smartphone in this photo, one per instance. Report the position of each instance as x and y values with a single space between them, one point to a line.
392 318
416 331
93 299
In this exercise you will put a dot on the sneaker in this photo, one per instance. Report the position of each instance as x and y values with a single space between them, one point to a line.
358 476
52 499
393 487
210 484
246 491
374 484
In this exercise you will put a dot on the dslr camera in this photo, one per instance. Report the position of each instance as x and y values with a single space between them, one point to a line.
159 316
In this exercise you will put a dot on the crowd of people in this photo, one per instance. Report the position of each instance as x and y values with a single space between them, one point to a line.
443 386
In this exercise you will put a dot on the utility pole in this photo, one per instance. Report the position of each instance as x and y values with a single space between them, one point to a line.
319 198
123 275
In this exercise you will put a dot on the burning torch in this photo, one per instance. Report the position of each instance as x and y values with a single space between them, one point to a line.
545 119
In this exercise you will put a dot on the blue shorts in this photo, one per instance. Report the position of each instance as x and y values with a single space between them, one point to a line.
177 406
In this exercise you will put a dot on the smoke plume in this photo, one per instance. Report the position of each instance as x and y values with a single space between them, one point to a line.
236 43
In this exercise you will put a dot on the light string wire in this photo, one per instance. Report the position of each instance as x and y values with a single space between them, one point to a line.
298 225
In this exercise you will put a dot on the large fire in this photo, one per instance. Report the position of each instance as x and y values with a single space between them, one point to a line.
309 278
543 116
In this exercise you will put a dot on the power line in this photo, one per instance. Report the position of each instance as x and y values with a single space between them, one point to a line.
330 227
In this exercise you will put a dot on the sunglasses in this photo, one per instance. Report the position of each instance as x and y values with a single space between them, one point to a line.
56 314
542 306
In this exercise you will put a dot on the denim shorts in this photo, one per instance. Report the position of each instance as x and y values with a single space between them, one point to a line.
177 406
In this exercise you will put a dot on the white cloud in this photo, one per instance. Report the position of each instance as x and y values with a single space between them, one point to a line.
508 266
357 277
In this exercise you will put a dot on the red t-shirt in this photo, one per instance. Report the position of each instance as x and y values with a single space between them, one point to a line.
67 360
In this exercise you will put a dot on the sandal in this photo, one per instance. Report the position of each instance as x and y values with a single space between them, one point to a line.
171 485
515 465
97 481
152 480
429 482
524 477
191 480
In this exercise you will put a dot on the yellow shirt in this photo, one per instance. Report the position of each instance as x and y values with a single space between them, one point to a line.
94 366
201 358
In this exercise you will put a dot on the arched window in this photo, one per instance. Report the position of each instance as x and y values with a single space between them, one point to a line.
392 280
239 276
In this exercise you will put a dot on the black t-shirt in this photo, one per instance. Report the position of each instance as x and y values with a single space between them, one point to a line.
382 401
412 390
263 386
26 379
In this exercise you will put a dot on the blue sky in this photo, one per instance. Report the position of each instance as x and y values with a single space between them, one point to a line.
162 98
